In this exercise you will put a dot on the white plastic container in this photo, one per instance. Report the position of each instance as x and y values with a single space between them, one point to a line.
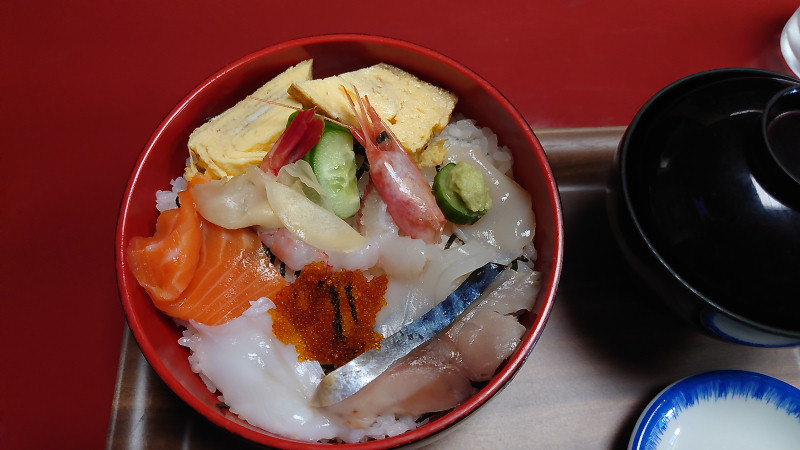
790 43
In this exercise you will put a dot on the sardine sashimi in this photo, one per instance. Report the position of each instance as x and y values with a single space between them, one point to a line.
439 375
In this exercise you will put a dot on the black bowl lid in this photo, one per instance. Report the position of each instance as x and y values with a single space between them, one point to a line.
706 195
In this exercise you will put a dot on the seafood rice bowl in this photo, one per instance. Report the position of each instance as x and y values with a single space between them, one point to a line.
312 200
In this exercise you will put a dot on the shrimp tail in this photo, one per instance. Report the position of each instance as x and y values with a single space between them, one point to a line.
297 139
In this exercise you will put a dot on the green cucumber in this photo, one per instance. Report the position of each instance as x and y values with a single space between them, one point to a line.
461 193
334 164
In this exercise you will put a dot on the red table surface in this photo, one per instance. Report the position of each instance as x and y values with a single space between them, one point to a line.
84 83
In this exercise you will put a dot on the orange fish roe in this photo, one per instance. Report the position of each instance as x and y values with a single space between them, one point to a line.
329 316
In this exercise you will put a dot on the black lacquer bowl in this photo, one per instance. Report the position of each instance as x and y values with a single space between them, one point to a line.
705 202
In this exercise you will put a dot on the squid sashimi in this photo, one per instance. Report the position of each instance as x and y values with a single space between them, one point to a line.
510 223
248 364
211 275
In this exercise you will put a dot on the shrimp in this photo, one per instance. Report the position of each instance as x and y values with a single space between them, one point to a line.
297 139
293 252
396 177
296 254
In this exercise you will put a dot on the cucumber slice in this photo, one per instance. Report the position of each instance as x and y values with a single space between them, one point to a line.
450 194
334 164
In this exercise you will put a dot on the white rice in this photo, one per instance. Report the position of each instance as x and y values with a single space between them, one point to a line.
166 200
464 131
387 425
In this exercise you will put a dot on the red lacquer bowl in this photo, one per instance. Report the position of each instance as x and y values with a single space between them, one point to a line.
165 154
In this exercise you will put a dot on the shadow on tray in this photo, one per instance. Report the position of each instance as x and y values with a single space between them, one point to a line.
607 303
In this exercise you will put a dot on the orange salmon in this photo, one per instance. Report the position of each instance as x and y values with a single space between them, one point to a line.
211 273
165 263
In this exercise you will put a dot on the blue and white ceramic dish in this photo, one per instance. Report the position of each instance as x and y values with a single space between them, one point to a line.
726 409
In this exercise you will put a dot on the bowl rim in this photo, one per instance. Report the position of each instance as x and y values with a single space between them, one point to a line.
546 296
692 81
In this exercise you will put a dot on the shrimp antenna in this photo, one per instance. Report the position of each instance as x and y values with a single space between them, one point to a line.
296 108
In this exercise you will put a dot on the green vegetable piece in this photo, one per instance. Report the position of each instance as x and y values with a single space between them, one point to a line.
334 163
461 193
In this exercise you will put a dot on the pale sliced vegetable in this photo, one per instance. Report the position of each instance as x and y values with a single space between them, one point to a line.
300 176
236 203
310 222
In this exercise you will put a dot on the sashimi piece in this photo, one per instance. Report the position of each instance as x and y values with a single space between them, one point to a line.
485 340
510 223
438 375
260 378
165 263
302 133
233 270
195 270
293 252
489 332
428 380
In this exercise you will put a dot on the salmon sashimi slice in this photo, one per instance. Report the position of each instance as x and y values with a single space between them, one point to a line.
195 270
165 263
233 271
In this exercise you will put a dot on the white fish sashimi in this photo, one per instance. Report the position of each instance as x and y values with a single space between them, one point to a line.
420 275
260 377
374 216
490 338
405 300
401 257
447 268
295 253
510 223
361 259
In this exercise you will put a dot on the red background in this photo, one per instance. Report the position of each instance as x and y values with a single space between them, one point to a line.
84 83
